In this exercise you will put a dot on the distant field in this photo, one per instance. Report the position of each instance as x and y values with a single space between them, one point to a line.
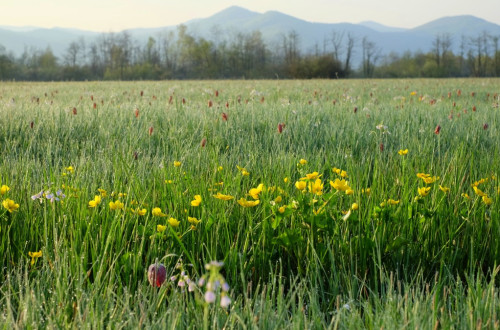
347 203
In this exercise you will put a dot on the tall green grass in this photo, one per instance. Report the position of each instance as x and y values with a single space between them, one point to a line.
423 262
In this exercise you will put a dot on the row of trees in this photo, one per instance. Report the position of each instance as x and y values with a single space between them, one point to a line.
181 55
477 57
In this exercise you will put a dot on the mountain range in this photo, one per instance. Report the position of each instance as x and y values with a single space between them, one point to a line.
273 25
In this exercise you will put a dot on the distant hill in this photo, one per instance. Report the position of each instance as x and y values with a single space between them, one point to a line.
380 27
458 25
227 23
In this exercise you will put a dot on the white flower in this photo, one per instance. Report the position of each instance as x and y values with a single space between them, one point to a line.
225 301
209 297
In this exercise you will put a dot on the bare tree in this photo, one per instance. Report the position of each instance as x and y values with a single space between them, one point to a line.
370 56
349 52
336 39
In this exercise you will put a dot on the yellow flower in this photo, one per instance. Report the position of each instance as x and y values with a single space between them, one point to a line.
243 171
4 189
424 191
342 185
464 195
116 205
444 189
169 181
254 192
278 200
403 152
300 185
96 201
316 187
366 191
336 170
173 222
243 202
285 180
487 200
478 191
157 212
389 202
177 163
349 191
302 162
161 228
354 206
193 221
413 93
70 169
223 197
34 256
428 179
343 174
102 192
311 176
138 211
281 209
220 168
196 201
477 183
10 205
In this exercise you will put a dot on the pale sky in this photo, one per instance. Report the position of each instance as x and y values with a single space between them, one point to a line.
117 15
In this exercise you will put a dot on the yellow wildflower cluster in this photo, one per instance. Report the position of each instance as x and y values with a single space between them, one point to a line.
428 179
486 199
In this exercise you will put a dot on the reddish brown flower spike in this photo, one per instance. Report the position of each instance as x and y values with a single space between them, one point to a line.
92 97
449 95
227 105
437 130
210 103
216 93
280 127
224 116
170 99
454 104
142 93
136 155
150 130
74 111
262 99
473 94
355 109
381 146
183 101
459 92
485 126
203 142
31 125
474 108
95 105
136 113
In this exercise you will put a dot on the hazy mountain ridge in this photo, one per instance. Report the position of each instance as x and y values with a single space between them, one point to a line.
273 26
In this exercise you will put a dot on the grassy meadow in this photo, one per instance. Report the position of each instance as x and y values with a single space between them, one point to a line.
272 204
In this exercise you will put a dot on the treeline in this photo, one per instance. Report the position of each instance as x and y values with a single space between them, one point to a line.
477 57
181 55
